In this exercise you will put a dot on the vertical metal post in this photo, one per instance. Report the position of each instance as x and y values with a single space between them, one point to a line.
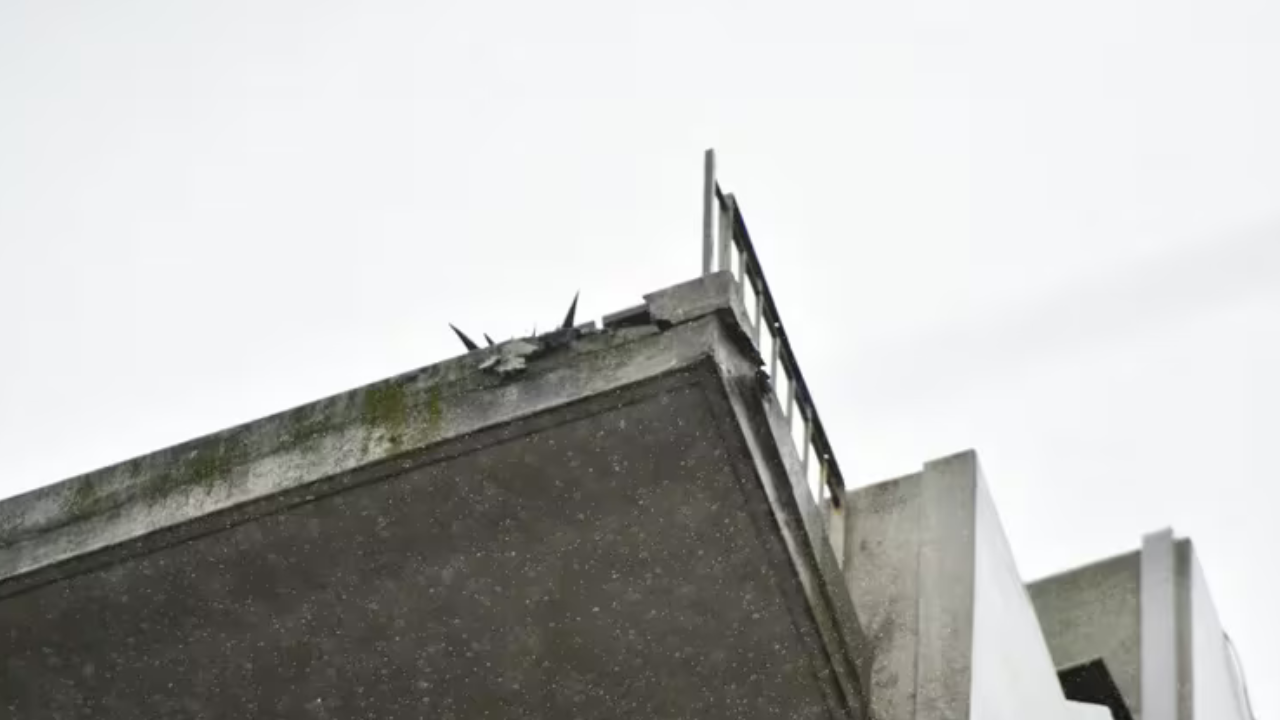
822 478
791 396
728 215
759 311
708 208
773 362
835 522
804 452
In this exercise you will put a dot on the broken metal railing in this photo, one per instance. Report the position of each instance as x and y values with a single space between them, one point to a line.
726 245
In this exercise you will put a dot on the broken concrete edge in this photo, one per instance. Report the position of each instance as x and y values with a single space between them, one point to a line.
366 425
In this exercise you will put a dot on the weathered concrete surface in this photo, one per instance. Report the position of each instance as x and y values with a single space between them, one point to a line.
909 565
1103 611
802 523
601 565
343 432
952 628
1093 612
882 570
944 646
616 533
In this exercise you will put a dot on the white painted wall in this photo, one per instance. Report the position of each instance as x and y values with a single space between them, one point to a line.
1013 676
1217 689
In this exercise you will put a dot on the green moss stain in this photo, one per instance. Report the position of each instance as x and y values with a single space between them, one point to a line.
212 462
384 410
305 427
158 485
86 500
435 410
384 406
204 467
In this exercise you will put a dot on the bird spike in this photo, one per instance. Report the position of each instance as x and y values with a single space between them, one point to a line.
465 340
488 339
573 309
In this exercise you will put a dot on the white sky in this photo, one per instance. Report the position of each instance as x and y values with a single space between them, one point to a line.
1048 231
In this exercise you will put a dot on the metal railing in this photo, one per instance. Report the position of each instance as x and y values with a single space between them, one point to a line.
726 245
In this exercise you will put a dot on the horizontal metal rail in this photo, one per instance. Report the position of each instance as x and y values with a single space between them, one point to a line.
726 245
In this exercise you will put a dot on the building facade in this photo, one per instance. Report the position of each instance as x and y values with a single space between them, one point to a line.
641 518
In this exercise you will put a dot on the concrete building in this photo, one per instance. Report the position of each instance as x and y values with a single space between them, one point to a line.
954 632
1139 633
642 518
592 524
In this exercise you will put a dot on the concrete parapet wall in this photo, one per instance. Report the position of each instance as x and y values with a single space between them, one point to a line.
952 629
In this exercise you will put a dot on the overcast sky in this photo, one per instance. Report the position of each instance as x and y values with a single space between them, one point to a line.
1049 231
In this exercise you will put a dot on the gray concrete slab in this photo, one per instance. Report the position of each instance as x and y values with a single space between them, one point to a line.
1093 613
1149 617
882 572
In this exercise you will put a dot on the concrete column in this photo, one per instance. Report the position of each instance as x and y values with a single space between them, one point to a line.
1159 634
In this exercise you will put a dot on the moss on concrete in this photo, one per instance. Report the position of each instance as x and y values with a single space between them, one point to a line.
211 462
203 467
305 427
435 410
86 500
384 407
384 410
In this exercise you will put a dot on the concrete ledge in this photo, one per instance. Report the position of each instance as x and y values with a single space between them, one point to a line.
254 523
367 425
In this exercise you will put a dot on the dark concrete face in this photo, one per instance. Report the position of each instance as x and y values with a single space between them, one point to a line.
601 567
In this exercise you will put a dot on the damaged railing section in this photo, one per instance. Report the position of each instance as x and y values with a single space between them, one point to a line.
726 245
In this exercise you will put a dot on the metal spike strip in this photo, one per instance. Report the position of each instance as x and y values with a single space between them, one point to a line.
573 310
468 342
